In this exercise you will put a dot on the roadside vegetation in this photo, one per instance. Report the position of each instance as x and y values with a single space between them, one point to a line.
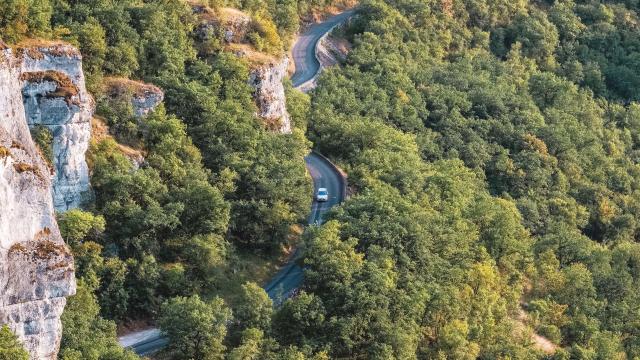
492 146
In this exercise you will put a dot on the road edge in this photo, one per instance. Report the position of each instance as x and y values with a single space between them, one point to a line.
311 83
344 179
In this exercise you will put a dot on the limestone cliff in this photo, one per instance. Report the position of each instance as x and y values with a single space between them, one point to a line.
267 72
55 97
36 268
143 97
232 24
269 94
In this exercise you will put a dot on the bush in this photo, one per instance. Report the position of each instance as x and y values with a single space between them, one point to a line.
10 347
551 332
195 328
43 137
265 36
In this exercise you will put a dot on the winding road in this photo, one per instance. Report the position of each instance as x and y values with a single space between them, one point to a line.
324 175
304 50
323 172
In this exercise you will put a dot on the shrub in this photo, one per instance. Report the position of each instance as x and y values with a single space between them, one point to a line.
43 137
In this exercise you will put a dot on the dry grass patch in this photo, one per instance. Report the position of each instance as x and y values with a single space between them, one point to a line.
253 57
4 152
21 167
15 248
117 86
65 87
48 249
100 132
36 48
17 145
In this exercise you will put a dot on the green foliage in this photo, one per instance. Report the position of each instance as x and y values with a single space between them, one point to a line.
195 328
270 188
298 107
170 223
538 37
379 259
165 45
91 37
119 113
250 347
85 334
43 137
264 35
536 106
24 18
254 309
492 148
77 226
129 37
10 347
160 218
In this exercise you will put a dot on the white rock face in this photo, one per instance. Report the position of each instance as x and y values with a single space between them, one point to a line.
147 99
269 94
55 97
36 267
144 97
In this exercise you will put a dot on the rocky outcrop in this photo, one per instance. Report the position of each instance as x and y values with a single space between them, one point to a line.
55 97
267 72
36 268
269 94
144 97
232 24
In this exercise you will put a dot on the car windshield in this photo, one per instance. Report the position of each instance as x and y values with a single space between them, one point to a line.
322 192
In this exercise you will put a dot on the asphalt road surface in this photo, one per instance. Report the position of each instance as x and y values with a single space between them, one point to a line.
322 171
290 277
304 50
144 342
324 175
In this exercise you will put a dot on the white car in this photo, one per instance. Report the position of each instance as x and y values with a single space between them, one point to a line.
323 195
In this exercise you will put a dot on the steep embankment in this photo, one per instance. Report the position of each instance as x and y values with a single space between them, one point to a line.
55 97
37 271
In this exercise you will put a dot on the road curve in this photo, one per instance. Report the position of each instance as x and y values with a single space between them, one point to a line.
324 174
304 50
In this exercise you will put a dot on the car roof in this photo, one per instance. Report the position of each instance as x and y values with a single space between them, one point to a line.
322 189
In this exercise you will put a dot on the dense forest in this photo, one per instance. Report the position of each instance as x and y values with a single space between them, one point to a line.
492 148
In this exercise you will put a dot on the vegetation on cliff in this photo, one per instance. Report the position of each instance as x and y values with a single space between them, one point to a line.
492 147
10 347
